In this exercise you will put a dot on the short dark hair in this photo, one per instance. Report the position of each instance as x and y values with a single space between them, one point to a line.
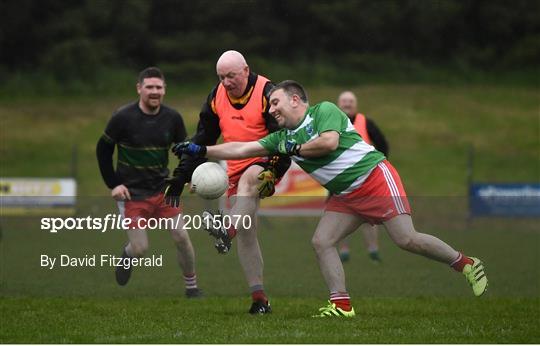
150 72
291 87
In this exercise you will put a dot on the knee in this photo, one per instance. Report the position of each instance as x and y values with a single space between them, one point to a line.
247 237
320 244
407 243
139 248
247 185
247 189
180 236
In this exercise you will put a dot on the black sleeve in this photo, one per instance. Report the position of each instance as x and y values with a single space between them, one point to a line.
180 132
104 152
113 131
105 149
377 137
208 132
271 123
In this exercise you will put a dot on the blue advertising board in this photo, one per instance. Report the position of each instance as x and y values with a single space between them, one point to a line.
512 200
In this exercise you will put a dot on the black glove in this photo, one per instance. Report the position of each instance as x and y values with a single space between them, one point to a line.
189 148
173 190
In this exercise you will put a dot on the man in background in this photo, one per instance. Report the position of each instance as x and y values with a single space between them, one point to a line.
371 134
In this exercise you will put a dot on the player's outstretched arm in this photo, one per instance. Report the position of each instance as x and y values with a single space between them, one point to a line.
236 150
226 151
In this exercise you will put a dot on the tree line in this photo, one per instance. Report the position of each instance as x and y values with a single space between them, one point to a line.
74 37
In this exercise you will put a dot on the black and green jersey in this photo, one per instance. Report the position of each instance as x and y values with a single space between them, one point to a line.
143 143
341 171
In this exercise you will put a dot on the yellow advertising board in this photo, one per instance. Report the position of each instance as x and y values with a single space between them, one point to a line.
296 194
37 196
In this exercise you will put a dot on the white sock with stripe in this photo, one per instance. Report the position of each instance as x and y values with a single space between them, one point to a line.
190 280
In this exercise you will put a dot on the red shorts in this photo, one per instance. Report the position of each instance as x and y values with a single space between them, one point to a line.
151 207
378 199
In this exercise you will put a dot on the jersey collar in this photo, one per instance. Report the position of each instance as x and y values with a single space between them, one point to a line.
301 122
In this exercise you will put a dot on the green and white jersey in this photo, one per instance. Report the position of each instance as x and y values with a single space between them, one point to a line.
341 171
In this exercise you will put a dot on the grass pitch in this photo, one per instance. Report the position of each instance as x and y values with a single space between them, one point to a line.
224 320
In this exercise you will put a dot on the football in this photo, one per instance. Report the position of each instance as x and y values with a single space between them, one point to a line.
209 180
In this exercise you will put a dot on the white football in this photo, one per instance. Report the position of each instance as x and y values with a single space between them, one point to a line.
209 180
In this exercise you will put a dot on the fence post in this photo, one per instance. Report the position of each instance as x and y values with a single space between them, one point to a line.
470 177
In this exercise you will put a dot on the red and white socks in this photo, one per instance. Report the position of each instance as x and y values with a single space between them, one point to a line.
460 262
257 294
190 280
342 300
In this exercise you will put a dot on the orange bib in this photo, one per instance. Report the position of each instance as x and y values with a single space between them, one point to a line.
360 126
241 125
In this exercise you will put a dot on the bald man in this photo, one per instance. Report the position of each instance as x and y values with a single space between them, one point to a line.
237 109
371 134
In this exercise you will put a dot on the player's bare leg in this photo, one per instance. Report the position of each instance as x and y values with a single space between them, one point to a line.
249 251
138 242
185 252
185 255
403 234
332 228
371 240
344 249
136 247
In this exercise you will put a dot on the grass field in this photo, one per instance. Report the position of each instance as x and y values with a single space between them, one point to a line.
407 299
223 320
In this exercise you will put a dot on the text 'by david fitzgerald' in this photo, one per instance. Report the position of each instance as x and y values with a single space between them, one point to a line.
103 260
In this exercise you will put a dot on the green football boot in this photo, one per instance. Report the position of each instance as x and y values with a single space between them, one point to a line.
476 276
331 310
